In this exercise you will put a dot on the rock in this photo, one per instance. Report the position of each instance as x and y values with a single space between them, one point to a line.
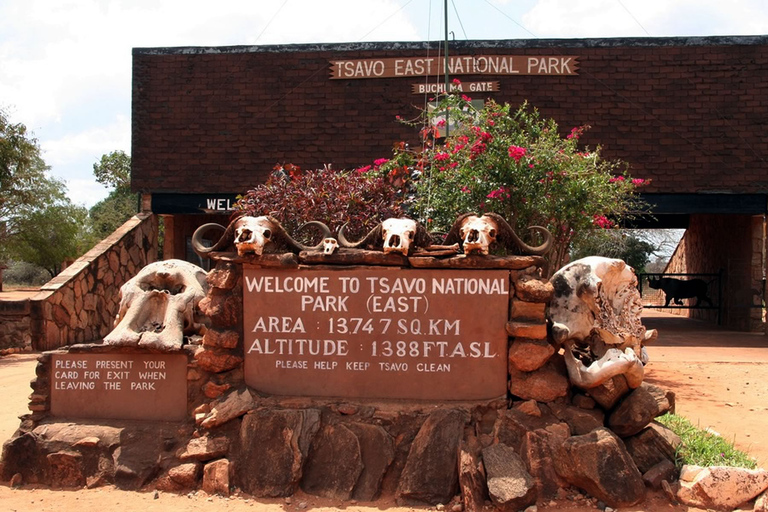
530 311
216 477
529 407
472 479
610 392
272 448
16 481
226 338
137 459
224 276
538 449
654 444
533 330
761 503
186 475
21 456
599 464
377 450
533 289
222 309
663 471
543 385
527 355
581 421
583 401
213 390
637 409
216 360
512 425
334 463
430 474
66 469
233 406
722 487
510 486
204 448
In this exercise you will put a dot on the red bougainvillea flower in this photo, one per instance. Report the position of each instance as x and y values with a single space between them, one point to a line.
380 161
516 153
363 170
442 156
499 193
465 189
639 182
601 221
617 179
457 81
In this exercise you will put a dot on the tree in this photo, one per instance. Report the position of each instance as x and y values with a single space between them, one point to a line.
50 235
24 183
113 170
615 243
515 163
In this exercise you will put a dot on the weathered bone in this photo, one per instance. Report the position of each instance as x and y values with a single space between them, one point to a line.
478 234
158 306
330 245
597 308
254 235
392 236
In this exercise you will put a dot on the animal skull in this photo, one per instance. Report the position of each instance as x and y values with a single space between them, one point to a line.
330 245
158 306
595 313
398 234
252 234
478 233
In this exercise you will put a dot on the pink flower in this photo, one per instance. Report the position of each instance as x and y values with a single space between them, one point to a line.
477 149
516 153
601 221
363 170
639 182
499 193
456 81
616 179
442 156
465 189
465 97
381 161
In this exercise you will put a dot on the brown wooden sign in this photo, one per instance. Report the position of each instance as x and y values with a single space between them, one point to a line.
465 87
119 386
457 65
377 333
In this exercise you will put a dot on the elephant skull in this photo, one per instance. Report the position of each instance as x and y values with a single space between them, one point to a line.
158 306
595 313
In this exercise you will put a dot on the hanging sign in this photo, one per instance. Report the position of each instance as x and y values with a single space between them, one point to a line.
435 88
457 65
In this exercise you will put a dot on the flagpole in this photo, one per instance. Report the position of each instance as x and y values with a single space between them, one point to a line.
447 90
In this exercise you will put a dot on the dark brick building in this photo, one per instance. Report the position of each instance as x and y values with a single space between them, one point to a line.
688 113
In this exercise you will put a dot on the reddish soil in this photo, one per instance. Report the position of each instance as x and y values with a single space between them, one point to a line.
720 379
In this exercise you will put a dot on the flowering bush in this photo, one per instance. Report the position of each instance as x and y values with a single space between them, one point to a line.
514 163
294 197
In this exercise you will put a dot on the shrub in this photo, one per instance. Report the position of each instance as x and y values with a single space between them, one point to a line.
512 162
336 198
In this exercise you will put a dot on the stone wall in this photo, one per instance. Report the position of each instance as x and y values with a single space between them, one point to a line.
80 304
735 245
15 323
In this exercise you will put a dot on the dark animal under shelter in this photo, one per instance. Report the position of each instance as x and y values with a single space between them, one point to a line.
679 289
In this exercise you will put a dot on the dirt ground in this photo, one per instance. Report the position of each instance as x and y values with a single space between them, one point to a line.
720 379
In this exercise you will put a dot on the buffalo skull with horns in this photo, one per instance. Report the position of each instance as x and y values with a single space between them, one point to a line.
254 235
392 236
478 234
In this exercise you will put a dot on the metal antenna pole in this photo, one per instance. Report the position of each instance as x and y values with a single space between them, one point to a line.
447 90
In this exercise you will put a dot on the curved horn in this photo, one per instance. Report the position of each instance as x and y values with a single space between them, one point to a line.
298 246
507 235
226 240
422 238
373 235
454 235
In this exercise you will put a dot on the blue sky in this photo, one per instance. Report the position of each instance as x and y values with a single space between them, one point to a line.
65 65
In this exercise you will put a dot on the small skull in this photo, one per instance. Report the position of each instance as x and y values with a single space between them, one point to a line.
330 245
398 235
478 233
